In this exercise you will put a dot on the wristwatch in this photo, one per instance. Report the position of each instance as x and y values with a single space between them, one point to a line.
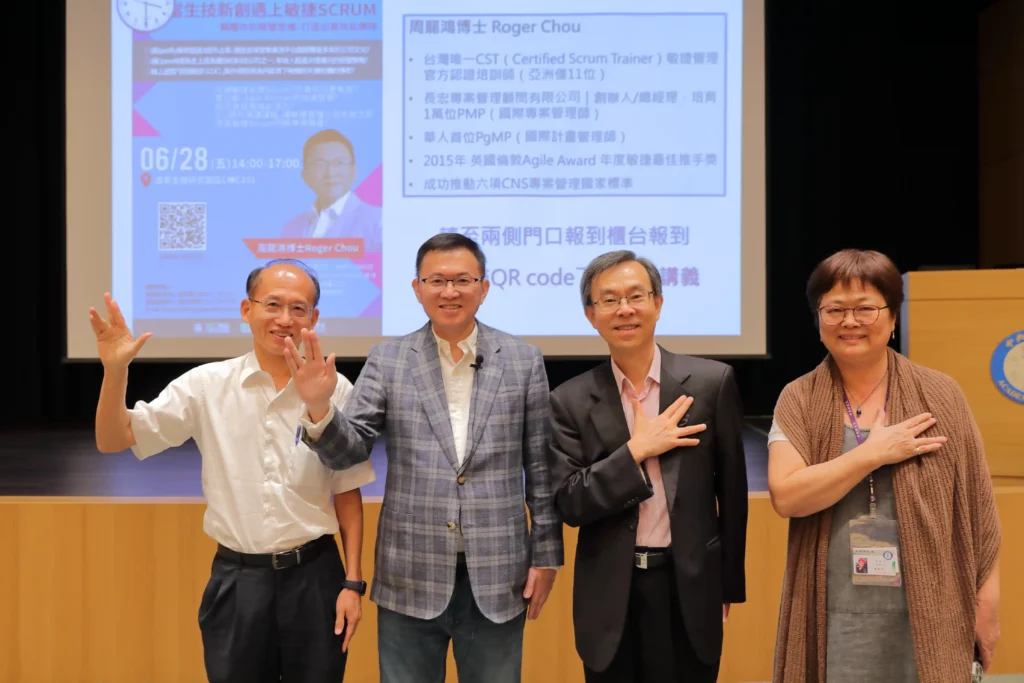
357 586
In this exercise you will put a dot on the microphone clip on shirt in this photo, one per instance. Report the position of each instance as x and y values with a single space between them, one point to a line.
479 364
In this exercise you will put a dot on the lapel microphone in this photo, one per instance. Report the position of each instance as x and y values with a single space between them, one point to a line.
479 361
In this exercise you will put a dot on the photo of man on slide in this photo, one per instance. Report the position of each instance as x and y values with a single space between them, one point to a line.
329 169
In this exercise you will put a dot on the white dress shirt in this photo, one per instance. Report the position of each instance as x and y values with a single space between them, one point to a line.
266 491
329 215
458 386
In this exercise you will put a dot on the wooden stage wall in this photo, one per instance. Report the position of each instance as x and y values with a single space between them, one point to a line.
106 591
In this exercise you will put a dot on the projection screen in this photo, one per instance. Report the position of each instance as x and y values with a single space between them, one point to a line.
204 139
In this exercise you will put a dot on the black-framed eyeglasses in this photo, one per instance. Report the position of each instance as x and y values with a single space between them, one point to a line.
275 308
835 315
611 302
442 283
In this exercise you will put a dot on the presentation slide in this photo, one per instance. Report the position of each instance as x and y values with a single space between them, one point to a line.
345 134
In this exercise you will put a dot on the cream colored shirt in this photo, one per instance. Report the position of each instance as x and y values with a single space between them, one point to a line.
266 491
458 386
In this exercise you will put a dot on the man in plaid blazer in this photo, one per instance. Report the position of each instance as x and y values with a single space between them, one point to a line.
465 410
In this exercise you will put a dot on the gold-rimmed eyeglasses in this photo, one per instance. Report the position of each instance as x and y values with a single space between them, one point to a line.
274 308
610 302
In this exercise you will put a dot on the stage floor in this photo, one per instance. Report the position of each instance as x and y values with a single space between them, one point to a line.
65 462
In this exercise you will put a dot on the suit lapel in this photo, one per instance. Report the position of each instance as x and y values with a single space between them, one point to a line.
673 374
426 372
485 387
607 415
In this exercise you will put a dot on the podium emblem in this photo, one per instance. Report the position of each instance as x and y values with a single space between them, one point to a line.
1007 367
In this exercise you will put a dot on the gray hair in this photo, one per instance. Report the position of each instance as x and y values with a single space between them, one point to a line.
610 260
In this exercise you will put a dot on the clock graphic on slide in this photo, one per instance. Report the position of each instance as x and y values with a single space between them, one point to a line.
145 15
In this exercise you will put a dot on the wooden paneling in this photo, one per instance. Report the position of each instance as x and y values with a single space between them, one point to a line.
955 320
105 592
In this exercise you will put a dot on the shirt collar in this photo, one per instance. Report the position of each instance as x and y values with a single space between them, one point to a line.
654 374
468 345
250 366
334 210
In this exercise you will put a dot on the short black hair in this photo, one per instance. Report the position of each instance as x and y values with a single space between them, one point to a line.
324 136
253 280
450 241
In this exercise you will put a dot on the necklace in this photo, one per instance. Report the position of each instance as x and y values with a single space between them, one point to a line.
858 410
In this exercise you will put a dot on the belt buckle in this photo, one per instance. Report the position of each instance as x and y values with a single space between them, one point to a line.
640 560
298 557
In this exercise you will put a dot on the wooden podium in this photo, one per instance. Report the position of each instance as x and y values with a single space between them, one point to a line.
969 324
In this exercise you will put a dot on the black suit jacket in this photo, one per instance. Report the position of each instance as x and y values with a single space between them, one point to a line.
600 488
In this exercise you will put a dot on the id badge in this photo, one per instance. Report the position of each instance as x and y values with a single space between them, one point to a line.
874 548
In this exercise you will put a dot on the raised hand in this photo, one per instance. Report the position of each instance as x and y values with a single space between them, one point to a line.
114 340
899 442
315 378
655 436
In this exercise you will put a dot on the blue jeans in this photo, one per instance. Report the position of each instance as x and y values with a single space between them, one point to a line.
415 650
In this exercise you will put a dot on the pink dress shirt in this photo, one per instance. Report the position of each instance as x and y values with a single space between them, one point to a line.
653 530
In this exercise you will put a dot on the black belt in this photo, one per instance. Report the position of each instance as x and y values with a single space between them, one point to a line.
283 560
651 558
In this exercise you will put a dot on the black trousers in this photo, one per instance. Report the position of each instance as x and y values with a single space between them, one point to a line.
654 646
261 624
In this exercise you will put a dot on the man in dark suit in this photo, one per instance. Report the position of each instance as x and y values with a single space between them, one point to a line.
648 459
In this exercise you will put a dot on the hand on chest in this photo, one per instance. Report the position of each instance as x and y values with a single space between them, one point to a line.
612 423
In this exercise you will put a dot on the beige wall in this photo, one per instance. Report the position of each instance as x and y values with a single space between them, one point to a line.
1001 130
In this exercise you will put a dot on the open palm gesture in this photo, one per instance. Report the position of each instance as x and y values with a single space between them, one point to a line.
114 340
315 378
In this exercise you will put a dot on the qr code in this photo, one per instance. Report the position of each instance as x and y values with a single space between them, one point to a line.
182 226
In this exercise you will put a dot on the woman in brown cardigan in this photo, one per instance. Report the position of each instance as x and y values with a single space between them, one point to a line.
891 570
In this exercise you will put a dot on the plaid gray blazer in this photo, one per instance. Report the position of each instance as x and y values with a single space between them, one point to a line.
427 494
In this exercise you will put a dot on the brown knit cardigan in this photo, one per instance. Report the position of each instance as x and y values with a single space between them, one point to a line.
949 531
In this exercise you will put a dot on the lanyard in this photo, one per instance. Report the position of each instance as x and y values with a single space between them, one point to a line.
872 501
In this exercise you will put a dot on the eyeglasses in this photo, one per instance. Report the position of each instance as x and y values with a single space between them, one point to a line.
835 315
321 166
610 303
275 308
442 283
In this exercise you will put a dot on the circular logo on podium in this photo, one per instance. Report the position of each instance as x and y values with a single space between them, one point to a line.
1007 367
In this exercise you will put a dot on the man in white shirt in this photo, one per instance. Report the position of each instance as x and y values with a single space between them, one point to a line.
329 169
465 407
279 604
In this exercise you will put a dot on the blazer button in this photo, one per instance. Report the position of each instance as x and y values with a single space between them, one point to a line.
632 526
462 480
451 526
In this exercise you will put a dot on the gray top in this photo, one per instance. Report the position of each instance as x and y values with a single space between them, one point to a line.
868 626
